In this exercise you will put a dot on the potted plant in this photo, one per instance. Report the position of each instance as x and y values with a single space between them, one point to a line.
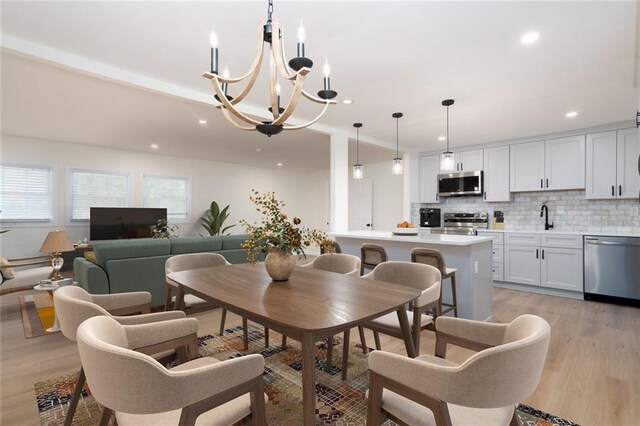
214 218
162 229
283 240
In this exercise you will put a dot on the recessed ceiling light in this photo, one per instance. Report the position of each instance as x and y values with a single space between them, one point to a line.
202 121
155 146
258 149
279 164
347 101
442 138
530 38
571 114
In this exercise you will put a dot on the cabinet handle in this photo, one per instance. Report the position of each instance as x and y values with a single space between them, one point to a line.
485 195
436 197
461 166
620 190
542 254
547 182
537 253
541 183
613 190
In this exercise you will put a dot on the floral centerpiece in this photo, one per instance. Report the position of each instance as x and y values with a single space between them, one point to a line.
282 239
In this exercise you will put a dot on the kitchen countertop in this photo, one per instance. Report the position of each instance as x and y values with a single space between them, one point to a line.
422 237
553 231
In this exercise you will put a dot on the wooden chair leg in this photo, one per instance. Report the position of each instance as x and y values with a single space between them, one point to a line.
327 365
363 339
284 342
416 329
76 397
376 336
345 353
266 337
106 416
223 319
453 294
245 334
374 403
168 305
258 409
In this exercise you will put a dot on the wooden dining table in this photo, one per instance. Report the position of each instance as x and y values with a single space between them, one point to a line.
310 306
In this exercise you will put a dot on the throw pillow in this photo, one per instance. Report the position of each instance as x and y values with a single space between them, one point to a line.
7 273
90 256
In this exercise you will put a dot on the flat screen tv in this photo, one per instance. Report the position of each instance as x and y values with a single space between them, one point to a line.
114 223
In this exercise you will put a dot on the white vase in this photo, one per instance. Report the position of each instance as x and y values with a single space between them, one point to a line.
280 265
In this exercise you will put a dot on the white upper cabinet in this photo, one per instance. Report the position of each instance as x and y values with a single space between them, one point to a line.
526 167
612 164
564 163
469 161
628 173
496 174
429 169
548 165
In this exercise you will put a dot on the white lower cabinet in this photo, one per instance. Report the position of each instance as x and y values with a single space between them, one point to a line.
498 272
551 265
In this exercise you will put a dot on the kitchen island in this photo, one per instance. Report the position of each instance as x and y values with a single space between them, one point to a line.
471 255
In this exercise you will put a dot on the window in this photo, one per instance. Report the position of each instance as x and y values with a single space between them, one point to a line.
94 188
169 192
26 193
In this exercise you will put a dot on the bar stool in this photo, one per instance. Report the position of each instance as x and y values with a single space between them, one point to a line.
334 244
371 255
434 258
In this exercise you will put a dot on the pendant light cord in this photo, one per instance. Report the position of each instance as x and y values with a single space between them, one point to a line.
357 145
397 143
269 11
447 128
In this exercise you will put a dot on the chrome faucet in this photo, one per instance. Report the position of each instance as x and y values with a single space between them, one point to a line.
544 209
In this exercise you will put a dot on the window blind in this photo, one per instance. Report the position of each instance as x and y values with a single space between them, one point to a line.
169 192
92 188
26 193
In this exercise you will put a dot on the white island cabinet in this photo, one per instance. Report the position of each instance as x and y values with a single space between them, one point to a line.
471 255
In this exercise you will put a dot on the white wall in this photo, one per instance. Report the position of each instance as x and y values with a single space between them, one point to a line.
387 195
303 193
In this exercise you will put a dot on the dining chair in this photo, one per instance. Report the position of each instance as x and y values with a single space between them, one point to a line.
483 390
342 264
142 391
371 255
184 262
73 305
433 257
422 277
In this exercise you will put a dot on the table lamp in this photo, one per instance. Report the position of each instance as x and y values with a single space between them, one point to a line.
56 243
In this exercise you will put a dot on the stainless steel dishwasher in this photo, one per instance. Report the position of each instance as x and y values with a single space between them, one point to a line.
612 269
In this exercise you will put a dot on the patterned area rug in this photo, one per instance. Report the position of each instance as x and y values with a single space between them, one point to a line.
339 403
37 314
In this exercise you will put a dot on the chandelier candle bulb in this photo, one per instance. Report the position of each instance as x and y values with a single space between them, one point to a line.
213 40
225 74
301 39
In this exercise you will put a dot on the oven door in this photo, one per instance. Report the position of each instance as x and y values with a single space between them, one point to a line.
460 183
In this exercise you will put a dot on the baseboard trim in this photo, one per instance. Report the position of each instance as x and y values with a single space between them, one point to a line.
539 290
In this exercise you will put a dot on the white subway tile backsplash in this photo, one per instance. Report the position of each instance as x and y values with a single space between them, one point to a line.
523 213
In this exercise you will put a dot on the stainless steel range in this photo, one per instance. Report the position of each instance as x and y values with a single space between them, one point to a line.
462 223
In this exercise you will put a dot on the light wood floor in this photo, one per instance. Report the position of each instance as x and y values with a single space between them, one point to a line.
591 376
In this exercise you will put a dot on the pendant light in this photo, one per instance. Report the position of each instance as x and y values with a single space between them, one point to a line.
446 159
397 162
357 168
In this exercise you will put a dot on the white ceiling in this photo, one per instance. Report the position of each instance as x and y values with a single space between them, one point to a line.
386 56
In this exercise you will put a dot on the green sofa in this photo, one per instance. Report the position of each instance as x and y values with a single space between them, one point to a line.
138 265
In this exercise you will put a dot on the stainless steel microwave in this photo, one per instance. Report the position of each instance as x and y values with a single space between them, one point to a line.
460 183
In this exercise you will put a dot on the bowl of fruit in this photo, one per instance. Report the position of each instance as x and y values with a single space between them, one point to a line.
405 228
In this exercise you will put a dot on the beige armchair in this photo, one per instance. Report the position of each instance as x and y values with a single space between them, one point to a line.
185 262
23 273
423 277
142 391
73 305
483 390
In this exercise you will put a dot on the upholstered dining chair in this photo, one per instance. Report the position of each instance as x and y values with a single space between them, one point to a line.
342 264
422 277
483 390
435 258
371 256
142 391
184 262
73 305
335 247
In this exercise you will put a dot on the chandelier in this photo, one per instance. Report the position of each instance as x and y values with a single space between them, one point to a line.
294 71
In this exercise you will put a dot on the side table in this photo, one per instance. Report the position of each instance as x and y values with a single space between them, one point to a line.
50 289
